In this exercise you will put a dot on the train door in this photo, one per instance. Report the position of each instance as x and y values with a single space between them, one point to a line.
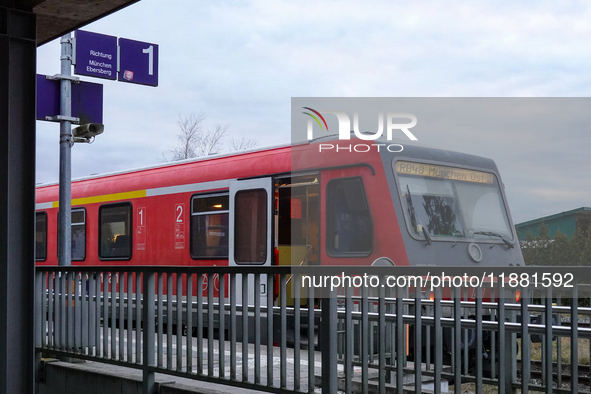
297 237
250 240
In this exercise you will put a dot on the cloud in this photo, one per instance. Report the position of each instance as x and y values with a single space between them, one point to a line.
242 61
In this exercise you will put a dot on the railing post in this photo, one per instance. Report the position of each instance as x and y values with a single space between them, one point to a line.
39 320
39 300
504 383
328 334
574 339
437 314
479 341
148 332
382 339
511 353
525 342
547 356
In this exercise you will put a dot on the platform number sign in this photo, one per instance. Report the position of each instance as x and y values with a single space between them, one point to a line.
141 229
179 226
138 62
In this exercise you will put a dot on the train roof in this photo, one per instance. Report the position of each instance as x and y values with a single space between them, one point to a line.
171 164
424 152
243 164
327 138
186 172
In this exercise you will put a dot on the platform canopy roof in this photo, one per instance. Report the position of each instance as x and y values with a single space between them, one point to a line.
57 17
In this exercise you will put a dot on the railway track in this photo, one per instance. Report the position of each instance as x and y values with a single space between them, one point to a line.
584 376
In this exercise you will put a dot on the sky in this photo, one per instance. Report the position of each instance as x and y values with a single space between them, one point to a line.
241 62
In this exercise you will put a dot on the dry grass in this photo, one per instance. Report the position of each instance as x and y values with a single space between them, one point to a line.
565 353
536 354
469 388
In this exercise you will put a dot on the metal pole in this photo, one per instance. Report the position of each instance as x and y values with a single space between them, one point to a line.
17 197
148 299
328 337
65 189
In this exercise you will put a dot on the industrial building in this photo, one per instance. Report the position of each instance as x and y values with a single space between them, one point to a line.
566 222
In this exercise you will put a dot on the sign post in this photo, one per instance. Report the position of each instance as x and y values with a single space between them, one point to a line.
95 55
65 177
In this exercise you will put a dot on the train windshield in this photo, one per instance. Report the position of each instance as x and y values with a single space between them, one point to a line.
450 202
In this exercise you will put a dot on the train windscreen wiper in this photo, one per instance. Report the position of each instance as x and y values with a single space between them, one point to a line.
506 240
414 215
427 236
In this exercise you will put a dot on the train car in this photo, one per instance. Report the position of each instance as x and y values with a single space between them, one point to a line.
325 202
333 205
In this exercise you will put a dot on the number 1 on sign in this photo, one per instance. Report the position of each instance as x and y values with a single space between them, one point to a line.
150 51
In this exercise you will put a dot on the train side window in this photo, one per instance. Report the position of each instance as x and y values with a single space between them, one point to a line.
349 226
78 234
209 226
115 231
250 241
40 236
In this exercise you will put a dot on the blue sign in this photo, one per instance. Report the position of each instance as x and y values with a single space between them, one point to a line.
87 100
96 55
138 62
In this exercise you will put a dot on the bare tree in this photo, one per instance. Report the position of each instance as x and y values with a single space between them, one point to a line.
188 140
211 141
194 141
242 143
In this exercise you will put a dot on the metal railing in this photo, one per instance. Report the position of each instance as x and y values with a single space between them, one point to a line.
192 322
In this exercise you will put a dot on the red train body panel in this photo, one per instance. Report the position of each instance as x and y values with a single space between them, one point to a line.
303 178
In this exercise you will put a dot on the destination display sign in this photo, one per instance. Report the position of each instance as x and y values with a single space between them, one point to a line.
138 62
444 172
96 55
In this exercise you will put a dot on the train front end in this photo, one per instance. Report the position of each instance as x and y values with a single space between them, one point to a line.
451 208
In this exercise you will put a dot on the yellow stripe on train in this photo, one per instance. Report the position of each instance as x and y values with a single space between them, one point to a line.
105 198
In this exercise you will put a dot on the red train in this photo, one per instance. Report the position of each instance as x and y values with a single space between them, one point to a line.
408 206
323 202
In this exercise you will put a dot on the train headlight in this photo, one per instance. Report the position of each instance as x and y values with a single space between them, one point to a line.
475 252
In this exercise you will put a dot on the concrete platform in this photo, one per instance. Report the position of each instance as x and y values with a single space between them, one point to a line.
103 378
98 378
